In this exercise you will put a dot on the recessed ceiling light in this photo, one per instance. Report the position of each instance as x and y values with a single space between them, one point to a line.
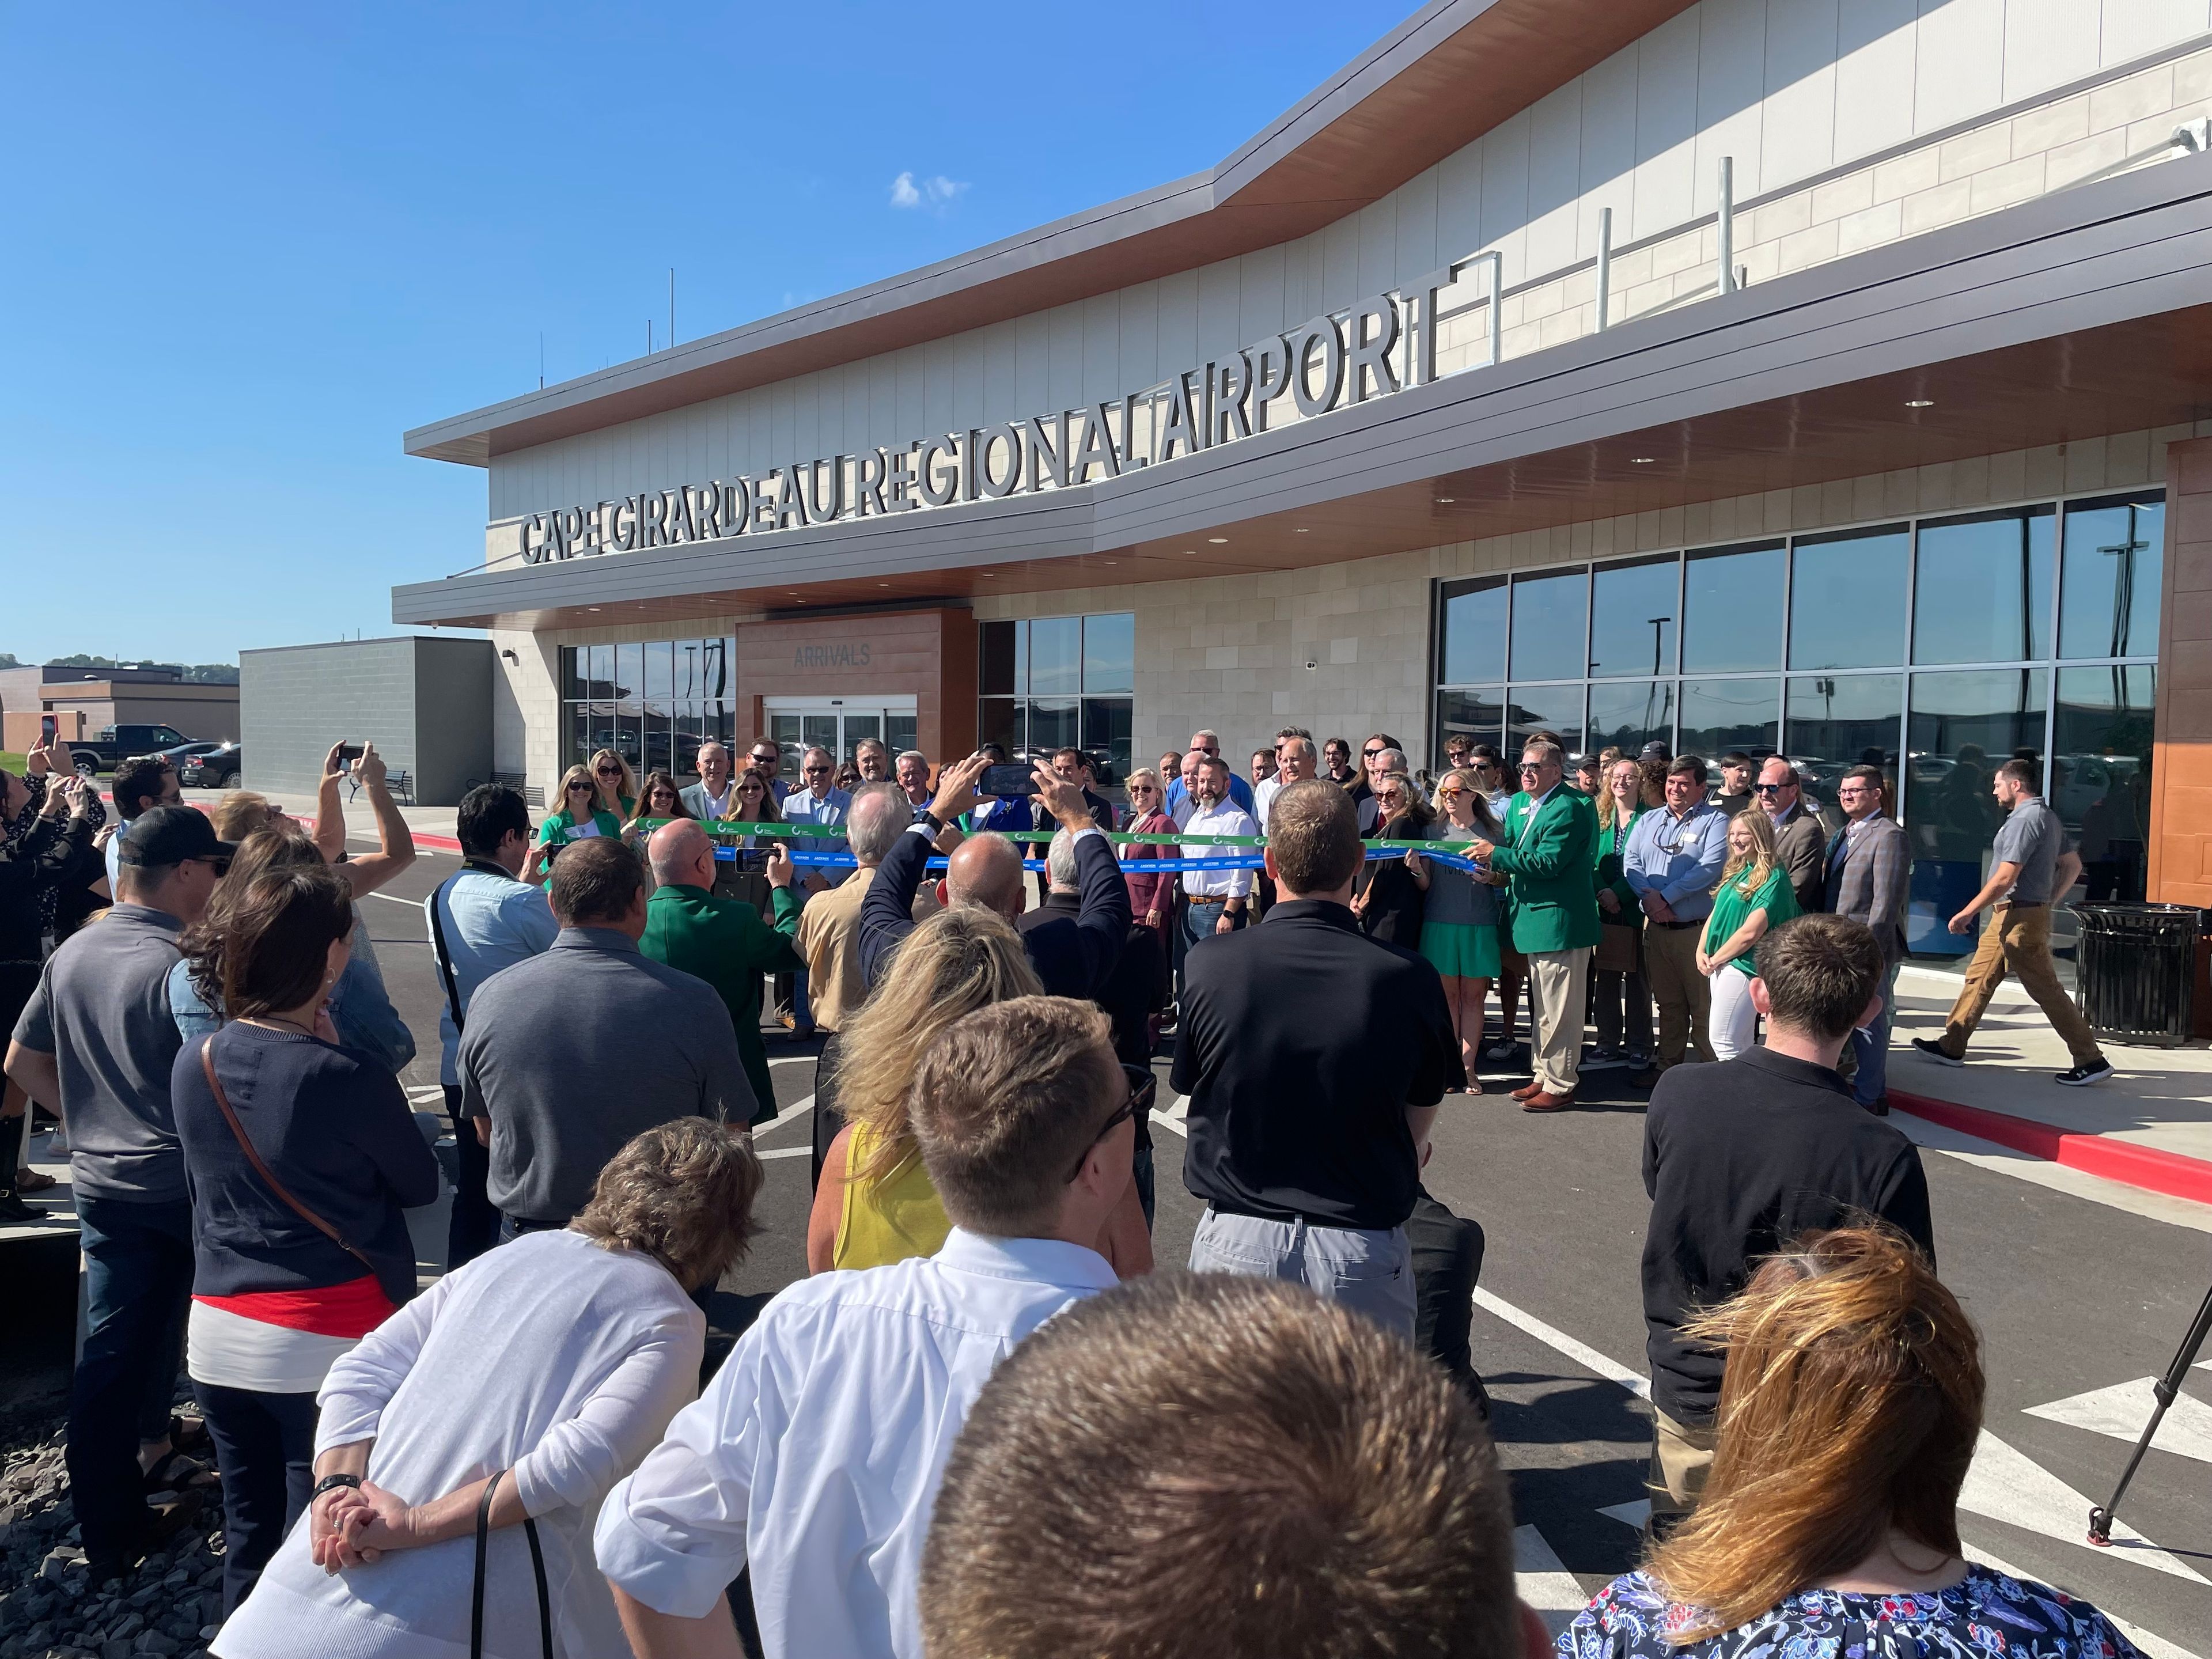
1920 403
1218 541
1300 530
1110 563
1190 552
1446 500
1641 460
883 584
590 607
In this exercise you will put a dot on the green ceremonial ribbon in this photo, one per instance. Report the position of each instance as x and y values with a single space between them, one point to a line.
1151 837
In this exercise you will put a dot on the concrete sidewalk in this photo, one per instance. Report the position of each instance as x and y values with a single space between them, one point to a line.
432 826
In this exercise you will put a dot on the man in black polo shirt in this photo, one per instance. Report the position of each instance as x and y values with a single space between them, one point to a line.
1314 1058
1742 1157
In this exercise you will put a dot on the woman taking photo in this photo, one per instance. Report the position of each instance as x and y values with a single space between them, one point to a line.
1624 1001
300 1157
1389 907
1151 898
1850 1409
544 1369
1752 896
875 1205
1459 923
617 784
578 817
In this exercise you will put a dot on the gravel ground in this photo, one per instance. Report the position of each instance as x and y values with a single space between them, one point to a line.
49 1608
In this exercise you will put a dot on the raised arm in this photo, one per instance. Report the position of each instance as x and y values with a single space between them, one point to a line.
1102 922
395 848
329 811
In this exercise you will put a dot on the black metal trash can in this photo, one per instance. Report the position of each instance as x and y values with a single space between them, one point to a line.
2135 970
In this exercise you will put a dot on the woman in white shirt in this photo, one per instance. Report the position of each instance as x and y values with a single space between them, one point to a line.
544 1369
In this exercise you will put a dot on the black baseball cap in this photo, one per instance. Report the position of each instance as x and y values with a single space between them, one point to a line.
1656 750
171 834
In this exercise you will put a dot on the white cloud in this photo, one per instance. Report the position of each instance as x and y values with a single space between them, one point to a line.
937 191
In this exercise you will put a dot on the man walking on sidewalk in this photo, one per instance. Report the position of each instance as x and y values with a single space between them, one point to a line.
2034 868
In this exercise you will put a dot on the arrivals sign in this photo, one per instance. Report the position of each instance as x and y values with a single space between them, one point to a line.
1350 357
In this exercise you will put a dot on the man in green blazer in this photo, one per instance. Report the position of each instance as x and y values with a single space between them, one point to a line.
721 941
1549 857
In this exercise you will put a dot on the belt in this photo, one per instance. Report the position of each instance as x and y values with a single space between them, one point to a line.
1677 927
2023 904
1225 1206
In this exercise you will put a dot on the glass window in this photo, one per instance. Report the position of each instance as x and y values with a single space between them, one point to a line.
657 674
1627 716
1982 588
1550 626
1961 726
1837 722
1847 599
1478 714
690 731
1633 609
1053 724
1110 652
1732 609
1543 707
1056 654
2100 773
1107 726
858 729
572 672
630 677
996 644
602 675
718 670
1474 644
1004 721
2108 591
1718 716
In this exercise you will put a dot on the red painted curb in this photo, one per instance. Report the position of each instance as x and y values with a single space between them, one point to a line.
2170 1173
422 837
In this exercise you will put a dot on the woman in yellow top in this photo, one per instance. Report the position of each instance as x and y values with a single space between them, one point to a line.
875 1204
1752 896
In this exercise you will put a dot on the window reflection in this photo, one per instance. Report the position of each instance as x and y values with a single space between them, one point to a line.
1732 606
1543 709
1478 714
1834 722
1550 623
1107 724
1847 599
1981 588
2109 592
1055 654
1961 728
1110 652
1627 716
2100 773
1474 644
1633 610
1718 716
996 662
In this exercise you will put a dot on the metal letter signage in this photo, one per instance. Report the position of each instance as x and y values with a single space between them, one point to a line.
1369 350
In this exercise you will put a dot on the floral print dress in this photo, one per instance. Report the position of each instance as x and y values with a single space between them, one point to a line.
1986 1615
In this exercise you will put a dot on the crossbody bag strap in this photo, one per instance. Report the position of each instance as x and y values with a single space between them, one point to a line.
444 956
269 1176
536 1567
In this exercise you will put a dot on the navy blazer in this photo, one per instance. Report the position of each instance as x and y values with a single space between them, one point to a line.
1072 960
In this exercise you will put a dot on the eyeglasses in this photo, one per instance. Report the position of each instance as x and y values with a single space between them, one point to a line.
815 771
1144 1088
1532 766
768 760
608 771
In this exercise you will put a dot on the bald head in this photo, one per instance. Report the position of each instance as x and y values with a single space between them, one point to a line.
681 856
986 870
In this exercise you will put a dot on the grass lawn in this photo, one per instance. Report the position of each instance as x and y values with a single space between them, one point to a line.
11 763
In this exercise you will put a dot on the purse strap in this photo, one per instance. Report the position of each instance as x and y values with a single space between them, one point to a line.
537 1567
269 1176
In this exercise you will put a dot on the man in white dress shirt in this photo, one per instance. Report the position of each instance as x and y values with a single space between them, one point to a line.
814 1456
1216 899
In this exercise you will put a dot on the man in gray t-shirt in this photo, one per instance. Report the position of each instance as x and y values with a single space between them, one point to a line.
2033 867
98 1040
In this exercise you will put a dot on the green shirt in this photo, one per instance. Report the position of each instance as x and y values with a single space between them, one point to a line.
553 832
1611 844
1733 907
725 942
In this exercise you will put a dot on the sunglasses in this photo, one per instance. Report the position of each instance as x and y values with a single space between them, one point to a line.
1372 753
581 788
1768 788
1144 789
221 866
608 771
815 771
768 760
1532 766
1144 1088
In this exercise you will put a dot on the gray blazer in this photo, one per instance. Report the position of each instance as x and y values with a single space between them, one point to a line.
694 797
1872 882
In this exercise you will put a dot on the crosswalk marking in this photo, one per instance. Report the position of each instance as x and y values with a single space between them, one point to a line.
2006 1485
789 1115
1543 1581
1630 1515
1581 1352
2121 1410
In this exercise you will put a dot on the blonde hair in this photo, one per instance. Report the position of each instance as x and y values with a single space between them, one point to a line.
1851 1405
240 813
683 1193
627 787
1484 819
1758 864
962 958
1609 815
575 774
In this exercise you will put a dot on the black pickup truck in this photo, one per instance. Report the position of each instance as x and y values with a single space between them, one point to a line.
121 742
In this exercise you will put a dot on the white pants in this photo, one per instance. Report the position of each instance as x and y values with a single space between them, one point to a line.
1734 1023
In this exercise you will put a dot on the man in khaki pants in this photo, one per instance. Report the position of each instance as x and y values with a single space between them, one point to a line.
2034 867
1672 862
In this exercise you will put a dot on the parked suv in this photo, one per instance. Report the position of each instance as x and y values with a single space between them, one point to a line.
218 768
121 742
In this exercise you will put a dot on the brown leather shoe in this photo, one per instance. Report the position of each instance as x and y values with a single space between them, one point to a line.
1528 1090
1544 1103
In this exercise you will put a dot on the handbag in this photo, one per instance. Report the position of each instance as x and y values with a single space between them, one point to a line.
537 1567
222 1101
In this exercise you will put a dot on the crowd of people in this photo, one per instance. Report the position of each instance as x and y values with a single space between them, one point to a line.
982 1425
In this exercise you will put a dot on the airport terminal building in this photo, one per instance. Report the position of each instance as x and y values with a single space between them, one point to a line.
1772 374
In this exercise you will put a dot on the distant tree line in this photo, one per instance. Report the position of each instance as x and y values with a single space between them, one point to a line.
198 673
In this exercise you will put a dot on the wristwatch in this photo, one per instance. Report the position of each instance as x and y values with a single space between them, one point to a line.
936 825
331 1482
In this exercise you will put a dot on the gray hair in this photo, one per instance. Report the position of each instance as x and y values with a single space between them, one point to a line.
1208 731
1546 754
878 816
1059 858
906 754
1392 760
1294 744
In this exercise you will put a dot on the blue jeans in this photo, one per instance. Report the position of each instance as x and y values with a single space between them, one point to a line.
138 1281
1870 1048
265 1444
1199 917
512 1227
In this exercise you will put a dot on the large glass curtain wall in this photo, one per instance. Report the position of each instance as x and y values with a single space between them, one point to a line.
653 703
1058 681
1941 645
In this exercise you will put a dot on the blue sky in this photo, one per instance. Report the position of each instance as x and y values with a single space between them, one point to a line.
252 244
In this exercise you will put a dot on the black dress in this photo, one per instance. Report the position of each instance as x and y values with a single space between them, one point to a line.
1392 911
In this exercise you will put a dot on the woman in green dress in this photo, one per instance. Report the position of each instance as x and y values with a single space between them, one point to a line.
1753 897
1624 1000
579 818
1459 928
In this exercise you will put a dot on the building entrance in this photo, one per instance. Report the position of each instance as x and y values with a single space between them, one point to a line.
839 725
